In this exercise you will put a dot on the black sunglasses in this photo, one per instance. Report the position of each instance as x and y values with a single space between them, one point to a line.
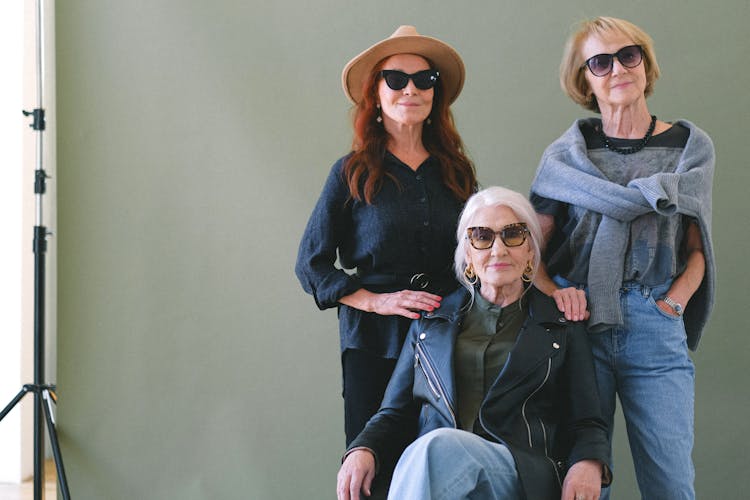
512 235
397 80
601 64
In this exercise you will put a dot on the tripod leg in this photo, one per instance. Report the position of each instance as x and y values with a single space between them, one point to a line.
38 445
14 402
61 479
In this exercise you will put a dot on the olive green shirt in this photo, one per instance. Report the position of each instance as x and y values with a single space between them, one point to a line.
482 347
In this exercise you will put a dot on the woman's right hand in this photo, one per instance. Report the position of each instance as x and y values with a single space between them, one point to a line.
407 303
355 475
571 301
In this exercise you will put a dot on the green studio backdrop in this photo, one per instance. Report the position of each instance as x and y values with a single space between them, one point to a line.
193 140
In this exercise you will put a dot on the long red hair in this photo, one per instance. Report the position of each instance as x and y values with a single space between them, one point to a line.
364 170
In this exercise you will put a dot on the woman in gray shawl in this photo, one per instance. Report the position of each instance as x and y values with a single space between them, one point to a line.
625 206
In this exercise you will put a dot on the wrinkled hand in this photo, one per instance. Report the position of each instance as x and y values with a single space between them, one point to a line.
572 302
583 481
405 303
355 475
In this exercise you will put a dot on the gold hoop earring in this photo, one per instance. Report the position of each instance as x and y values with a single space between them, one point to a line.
470 275
528 273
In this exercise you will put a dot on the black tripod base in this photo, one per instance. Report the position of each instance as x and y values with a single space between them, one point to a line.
44 396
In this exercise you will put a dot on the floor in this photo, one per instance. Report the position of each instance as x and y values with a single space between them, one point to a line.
25 491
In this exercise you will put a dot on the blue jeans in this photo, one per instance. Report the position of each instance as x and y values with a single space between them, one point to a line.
451 464
646 363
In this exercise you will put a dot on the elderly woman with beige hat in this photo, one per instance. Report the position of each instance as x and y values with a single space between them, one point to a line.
388 210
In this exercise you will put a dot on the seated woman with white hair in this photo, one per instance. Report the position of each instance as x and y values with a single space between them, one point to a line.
495 389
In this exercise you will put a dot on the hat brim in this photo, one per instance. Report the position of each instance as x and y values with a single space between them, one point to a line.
441 55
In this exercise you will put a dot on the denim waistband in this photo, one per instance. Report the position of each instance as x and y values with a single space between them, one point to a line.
646 290
628 286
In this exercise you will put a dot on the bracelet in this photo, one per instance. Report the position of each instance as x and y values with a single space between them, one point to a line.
676 306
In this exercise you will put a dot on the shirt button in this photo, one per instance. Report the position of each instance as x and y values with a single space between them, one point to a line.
555 345
422 336
426 223
419 177
423 199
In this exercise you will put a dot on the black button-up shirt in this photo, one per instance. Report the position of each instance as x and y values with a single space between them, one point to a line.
409 228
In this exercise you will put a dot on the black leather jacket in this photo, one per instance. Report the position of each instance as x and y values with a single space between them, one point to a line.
544 405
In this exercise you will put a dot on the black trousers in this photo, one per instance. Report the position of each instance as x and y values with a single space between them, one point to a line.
366 376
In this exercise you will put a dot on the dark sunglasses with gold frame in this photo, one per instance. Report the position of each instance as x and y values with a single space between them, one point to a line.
512 235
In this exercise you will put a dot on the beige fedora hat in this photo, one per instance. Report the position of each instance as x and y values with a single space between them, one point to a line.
406 40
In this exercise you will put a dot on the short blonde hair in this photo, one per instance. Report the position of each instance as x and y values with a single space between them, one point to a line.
572 77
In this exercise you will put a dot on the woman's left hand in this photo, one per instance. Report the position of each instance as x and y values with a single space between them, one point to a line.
583 481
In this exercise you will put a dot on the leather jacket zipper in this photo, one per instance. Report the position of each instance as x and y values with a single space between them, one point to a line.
421 359
544 436
528 427
541 422
557 466
433 389
523 407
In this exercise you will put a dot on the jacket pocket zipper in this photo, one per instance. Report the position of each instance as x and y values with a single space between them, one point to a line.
433 389
541 423
556 466
523 407
432 379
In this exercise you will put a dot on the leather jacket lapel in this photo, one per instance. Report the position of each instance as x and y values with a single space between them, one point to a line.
540 339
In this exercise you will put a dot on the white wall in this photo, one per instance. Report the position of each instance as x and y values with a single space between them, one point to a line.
11 50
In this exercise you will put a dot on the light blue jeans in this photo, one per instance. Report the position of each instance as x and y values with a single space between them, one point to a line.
646 363
452 464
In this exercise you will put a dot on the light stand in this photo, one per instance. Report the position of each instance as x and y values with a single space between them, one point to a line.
44 394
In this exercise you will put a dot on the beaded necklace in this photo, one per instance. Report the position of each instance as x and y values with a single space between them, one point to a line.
632 149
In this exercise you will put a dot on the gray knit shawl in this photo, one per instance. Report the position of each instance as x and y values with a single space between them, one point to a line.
566 174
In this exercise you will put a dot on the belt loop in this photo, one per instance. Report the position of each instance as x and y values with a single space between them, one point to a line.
646 291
